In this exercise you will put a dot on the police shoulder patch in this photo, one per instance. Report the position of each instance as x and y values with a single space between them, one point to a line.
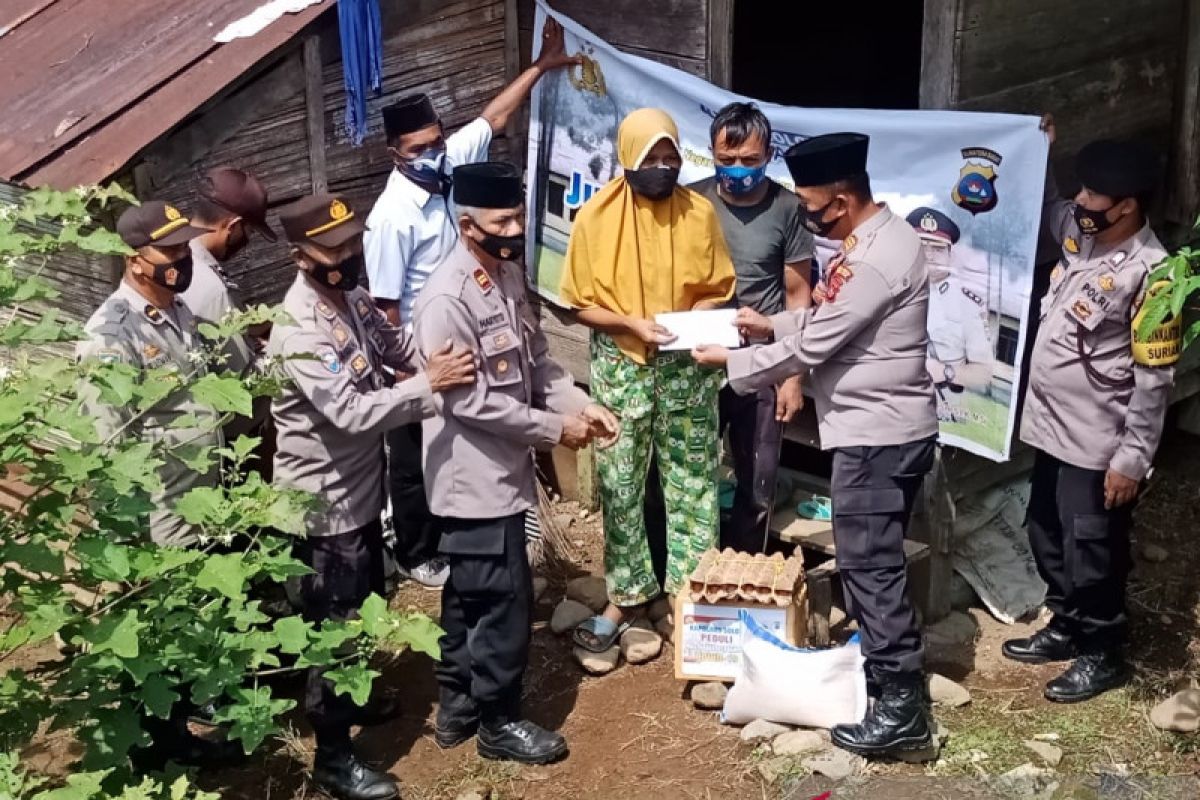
330 359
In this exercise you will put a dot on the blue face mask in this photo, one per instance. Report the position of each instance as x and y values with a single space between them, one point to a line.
740 180
425 169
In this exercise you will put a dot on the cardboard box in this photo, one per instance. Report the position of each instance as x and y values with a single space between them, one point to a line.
709 636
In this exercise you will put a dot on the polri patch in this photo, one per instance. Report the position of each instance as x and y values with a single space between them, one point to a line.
331 361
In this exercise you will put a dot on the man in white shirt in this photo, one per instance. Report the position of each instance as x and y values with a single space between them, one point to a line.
410 232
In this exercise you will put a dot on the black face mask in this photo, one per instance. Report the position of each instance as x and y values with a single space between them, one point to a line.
653 183
343 275
176 276
815 222
1093 222
504 248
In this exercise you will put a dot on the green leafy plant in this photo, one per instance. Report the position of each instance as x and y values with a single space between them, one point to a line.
99 628
1181 271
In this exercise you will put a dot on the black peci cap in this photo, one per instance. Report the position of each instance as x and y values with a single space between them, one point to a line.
488 184
325 219
408 114
1117 169
823 160
929 223
155 224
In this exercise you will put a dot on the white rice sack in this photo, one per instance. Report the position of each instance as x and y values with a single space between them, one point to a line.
796 686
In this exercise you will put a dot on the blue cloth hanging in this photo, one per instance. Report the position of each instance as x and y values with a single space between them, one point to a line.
362 60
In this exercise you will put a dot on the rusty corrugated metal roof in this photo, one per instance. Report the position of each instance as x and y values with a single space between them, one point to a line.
93 82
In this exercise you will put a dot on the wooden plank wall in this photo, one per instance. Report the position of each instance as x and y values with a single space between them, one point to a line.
452 50
1103 69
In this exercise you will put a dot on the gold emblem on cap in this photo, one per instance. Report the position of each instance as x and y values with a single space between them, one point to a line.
172 213
339 213
337 209
928 223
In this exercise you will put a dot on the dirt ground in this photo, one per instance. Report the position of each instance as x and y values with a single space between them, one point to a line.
633 734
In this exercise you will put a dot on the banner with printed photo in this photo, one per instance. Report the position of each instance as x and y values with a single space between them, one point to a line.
970 183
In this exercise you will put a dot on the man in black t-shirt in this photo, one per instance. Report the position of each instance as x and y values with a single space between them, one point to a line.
772 255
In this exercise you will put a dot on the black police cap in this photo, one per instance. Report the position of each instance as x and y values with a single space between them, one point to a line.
827 159
1117 168
933 223
488 184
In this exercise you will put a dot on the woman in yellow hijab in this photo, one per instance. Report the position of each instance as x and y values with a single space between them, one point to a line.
645 245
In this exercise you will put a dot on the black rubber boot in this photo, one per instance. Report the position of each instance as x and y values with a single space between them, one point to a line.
521 741
897 723
347 778
1092 674
1049 644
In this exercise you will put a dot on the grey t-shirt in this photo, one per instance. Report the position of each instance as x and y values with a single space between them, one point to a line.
762 238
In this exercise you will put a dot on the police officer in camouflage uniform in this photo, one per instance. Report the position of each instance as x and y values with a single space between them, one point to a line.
479 468
1094 410
145 324
331 424
865 344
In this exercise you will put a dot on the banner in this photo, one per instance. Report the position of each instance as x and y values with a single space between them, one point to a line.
983 172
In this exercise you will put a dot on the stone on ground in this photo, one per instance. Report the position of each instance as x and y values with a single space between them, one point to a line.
798 743
762 730
598 663
772 768
1180 712
1047 752
589 590
639 645
835 764
946 692
1025 781
957 628
567 615
1154 554
709 696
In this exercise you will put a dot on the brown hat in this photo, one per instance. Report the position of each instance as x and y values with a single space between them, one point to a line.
155 223
240 193
325 219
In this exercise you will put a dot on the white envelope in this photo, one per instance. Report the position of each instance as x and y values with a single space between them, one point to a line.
700 327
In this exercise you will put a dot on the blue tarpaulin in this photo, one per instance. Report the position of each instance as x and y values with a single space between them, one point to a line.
362 60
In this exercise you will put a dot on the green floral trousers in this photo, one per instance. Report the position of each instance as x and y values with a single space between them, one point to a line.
669 405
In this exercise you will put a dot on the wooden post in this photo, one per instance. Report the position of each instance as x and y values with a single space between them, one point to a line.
939 53
1184 188
314 104
934 526
720 42
518 124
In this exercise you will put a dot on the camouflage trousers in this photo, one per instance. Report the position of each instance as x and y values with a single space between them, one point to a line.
669 405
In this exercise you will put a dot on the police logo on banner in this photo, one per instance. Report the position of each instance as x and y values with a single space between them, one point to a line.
975 190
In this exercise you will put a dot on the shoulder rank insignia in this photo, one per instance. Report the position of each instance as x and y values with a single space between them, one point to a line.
153 314
1107 283
331 361
1071 245
1119 257
483 279
974 298
340 334
151 351
364 308
325 310
358 364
